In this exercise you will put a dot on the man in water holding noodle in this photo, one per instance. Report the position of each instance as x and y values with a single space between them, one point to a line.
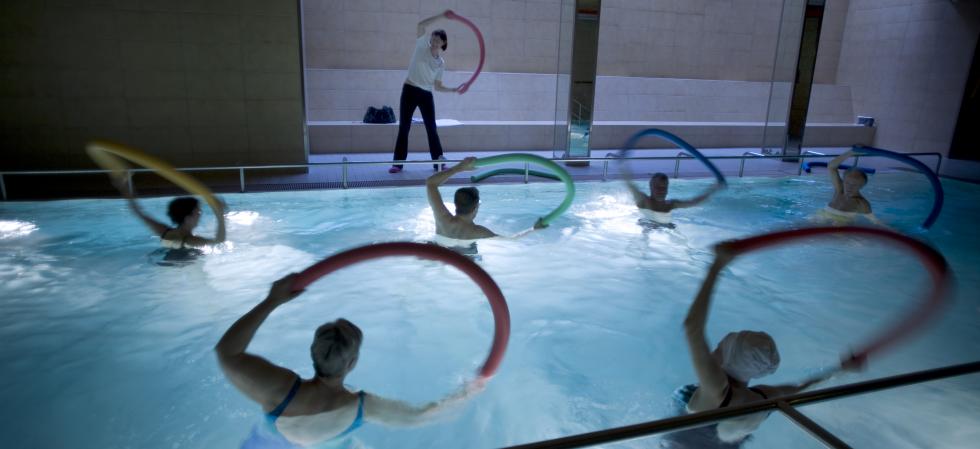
467 200
656 206
847 192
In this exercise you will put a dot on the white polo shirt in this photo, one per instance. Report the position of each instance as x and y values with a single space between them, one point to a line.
424 70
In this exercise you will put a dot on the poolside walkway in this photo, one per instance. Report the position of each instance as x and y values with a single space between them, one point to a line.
376 175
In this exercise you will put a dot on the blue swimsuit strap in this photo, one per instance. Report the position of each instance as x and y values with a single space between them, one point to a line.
285 402
359 419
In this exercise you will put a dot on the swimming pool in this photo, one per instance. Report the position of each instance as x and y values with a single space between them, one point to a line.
102 347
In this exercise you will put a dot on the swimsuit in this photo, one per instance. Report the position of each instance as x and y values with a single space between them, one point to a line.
705 436
266 436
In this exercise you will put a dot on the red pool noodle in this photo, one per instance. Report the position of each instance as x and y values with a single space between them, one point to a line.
498 305
479 39
934 262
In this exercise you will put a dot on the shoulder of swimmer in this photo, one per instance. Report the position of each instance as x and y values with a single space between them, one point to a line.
310 399
178 237
857 205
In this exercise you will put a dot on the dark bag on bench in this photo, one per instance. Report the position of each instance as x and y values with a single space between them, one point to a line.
383 115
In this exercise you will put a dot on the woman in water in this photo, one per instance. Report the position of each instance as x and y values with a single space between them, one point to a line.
724 374
184 212
302 412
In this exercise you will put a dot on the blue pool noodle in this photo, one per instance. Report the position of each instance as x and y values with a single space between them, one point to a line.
937 186
631 143
808 165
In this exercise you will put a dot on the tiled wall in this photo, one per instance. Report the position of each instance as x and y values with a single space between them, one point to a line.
520 35
194 82
343 95
691 100
711 39
346 94
691 39
906 62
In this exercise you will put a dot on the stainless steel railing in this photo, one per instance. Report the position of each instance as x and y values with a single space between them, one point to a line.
741 163
345 164
783 404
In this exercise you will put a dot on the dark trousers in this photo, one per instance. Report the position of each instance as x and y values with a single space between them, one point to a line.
413 97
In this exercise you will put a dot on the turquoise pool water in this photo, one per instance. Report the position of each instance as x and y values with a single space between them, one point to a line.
101 347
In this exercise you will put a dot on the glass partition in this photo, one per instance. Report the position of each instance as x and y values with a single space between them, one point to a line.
357 56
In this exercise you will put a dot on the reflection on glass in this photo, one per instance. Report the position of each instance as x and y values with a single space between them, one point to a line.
582 92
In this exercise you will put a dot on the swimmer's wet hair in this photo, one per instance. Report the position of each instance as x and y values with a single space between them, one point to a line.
442 35
858 171
660 175
180 208
335 348
466 200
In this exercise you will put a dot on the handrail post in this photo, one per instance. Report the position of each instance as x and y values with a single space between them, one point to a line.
343 173
677 163
605 169
241 179
3 187
741 167
815 430
799 168
527 168
939 163
129 182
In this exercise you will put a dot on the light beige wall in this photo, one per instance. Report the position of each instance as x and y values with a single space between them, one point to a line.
906 62
194 82
710 39
520 35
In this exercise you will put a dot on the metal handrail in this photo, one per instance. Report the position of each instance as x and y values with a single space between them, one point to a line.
741 164
781 403
799 169
677 162
345 163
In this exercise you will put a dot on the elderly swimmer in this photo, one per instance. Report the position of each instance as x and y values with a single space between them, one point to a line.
303 412
656 206
724 373
467 200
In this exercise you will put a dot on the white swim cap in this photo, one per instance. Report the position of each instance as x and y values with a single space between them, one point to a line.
746 355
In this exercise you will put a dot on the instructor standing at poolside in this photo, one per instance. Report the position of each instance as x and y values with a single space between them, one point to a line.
424 75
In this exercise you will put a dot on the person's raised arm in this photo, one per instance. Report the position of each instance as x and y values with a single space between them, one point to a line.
256 377
425 22
397 413
432 187
680 204
156 227
832 171
639 197
711 376
219 235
